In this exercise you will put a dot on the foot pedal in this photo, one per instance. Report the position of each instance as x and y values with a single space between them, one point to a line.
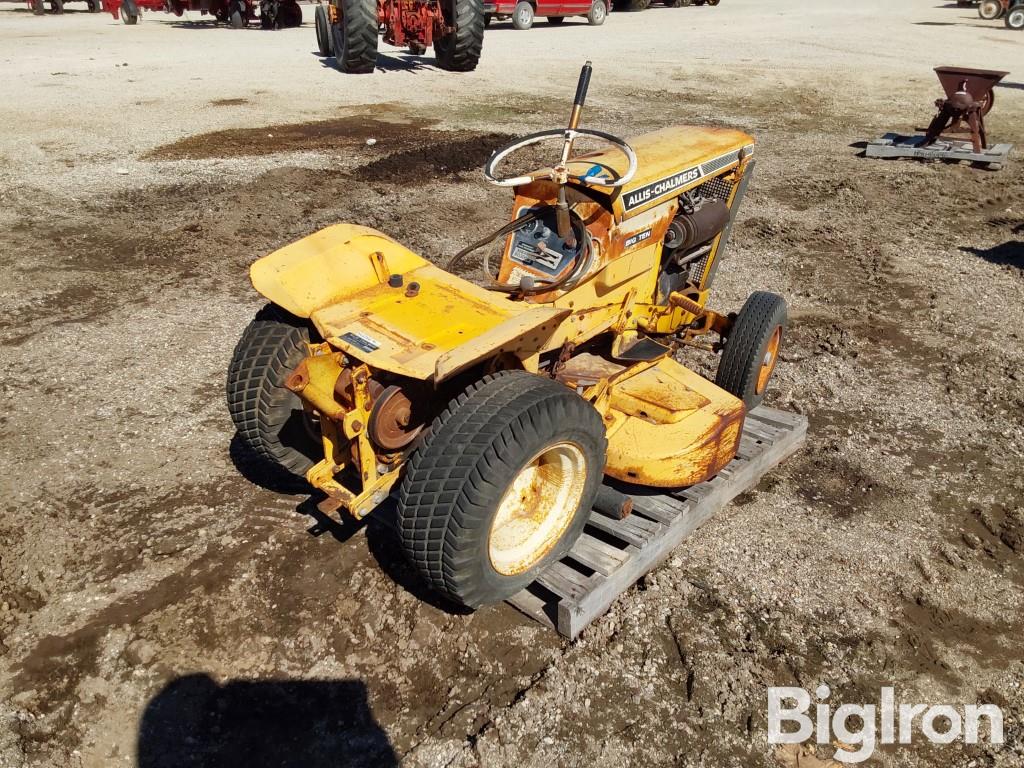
641 351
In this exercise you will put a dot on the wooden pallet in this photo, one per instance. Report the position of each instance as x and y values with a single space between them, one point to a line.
612 554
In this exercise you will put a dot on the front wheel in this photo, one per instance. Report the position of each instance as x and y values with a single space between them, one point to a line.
990 9
598 13
459 51
752 348
522 16
502 486
1014 20
269 417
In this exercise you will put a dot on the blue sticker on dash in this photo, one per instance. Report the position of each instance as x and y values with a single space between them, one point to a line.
596 171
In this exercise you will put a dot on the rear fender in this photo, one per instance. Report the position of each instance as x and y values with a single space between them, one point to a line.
330 266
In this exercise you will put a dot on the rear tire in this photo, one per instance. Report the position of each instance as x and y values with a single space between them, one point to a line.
752 348
57 6
269 417
323 32
598 13
460 50
453 513
1014 20
990 9
355 36
522 16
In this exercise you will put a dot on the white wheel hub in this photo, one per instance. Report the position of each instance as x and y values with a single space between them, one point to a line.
537 508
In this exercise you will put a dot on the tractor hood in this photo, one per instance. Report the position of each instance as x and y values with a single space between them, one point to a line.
382 304
669 161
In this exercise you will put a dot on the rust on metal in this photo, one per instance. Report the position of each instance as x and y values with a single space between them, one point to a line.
969 97
394 422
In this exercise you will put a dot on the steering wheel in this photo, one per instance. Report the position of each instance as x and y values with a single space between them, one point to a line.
560 172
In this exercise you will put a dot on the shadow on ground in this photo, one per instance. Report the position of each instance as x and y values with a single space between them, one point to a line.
1008 254
196 723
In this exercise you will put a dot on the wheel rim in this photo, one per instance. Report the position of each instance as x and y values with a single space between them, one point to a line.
598 10
524 17
537 508
1017 19
771 354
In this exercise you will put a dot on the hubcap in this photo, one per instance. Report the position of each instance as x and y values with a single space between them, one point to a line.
537 508
524 17
768 362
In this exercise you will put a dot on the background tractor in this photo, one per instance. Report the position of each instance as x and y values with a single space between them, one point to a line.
499 409
271 14
348 30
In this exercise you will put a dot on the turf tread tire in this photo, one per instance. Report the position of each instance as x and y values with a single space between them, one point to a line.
261 407
464 465
745 346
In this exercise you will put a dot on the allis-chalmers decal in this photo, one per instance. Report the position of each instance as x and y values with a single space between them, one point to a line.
637 197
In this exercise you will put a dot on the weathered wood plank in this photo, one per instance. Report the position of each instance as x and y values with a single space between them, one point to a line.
632 530
564 581
597 555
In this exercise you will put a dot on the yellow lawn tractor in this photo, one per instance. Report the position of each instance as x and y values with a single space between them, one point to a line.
497 410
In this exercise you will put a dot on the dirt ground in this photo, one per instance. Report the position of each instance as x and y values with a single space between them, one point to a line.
162 604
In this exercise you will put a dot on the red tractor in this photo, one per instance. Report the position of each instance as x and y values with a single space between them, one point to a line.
347 30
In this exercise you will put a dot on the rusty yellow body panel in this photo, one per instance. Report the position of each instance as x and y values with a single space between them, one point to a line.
434 330
669 427
669 162
330 266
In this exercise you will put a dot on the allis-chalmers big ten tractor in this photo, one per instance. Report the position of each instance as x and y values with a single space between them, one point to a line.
498 409
347 30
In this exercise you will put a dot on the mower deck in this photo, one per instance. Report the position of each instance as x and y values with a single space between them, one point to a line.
896 145
613 553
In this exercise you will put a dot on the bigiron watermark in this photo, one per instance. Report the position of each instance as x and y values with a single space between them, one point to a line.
860 727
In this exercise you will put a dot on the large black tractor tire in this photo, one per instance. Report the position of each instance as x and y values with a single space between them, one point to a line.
1014 20
323 32
499 431
460 50
752 348
990 9
355 37
269 417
